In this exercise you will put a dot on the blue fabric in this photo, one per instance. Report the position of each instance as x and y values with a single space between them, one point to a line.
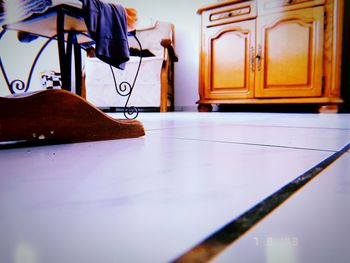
107 26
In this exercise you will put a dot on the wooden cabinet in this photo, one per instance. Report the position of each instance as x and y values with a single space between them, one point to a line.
270 51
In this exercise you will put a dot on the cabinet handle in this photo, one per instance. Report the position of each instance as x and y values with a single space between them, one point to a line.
258 57
252 58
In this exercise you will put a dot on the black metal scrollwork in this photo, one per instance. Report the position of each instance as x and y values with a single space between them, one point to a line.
131 112
125 88
17 85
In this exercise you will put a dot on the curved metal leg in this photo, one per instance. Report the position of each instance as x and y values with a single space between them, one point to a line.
17 84
125 88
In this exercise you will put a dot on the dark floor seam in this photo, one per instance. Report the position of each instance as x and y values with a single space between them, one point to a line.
221 239
292 127
252 125
257 144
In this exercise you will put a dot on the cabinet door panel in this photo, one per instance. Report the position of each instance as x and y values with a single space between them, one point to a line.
228 61
280 55
290 51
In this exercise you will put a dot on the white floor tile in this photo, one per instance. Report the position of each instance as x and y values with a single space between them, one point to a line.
152 198
328 132
179 119
312 226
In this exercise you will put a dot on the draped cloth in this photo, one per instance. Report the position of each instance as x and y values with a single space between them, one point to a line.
107 26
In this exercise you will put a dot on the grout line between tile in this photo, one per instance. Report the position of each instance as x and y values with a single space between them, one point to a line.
221 239
253 125
256 144
293 127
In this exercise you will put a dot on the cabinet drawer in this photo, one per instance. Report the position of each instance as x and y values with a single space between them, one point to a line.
230 13
234 12
270 6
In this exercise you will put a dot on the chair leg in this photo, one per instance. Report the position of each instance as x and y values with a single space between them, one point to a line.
64 56
164 88
78 65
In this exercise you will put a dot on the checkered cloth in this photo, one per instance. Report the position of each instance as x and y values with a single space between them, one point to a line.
51 80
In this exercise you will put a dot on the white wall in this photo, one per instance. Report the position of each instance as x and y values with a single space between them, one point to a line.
182 13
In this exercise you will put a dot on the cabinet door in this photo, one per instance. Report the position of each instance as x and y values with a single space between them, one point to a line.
228 53
290 54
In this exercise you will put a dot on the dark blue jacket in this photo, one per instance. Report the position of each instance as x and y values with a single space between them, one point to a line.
107 26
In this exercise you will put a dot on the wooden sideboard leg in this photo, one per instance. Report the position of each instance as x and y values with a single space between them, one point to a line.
330 108
205 108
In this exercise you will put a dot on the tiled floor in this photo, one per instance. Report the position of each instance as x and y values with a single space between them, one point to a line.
152 199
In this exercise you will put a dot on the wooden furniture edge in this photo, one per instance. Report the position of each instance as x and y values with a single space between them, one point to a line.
60 116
